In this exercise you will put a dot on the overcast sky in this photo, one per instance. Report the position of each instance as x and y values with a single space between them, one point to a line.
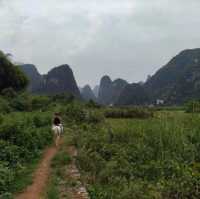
121 38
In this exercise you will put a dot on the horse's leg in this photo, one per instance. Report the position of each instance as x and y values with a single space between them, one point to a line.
58 137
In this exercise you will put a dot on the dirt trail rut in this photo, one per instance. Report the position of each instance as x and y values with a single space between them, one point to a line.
40 177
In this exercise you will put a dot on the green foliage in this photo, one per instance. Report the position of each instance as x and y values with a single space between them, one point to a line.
6 178
40 102
134 112
10 75
79 114
153 158
193 106
9 93
58 185
65 98
92 104
4 106
21 103
22 137
75 112
61 159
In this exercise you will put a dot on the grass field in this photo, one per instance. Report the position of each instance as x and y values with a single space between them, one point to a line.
142 158
122 153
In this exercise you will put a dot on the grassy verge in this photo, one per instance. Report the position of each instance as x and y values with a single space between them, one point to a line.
58 166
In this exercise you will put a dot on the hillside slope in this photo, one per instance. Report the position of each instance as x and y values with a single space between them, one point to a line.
87 94
110 91
175 83
58 80
36 80
179 80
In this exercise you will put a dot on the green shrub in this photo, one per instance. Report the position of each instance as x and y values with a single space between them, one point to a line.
9 93
136 112
4 106
193 107
11 75
75 112
22 138
61 159
21 103
153 158
94 117
40 102
6 178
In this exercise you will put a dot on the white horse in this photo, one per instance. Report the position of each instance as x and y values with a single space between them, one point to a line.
57 130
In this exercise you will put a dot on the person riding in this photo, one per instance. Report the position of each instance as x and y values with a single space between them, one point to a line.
57 127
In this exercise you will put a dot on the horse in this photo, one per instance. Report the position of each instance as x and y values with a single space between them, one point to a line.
57 130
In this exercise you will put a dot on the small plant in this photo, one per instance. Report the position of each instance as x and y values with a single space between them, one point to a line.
61 159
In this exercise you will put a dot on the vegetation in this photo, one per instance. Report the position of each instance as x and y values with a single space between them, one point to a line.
25 130
193 106
132 158
130 152
57 180
131 112
11 75
22 137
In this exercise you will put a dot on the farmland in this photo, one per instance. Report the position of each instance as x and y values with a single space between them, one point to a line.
156 157
122 152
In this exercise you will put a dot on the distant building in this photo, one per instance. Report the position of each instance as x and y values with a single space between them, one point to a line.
160 102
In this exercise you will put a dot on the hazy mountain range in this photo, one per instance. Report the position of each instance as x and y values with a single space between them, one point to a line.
174 83
58 80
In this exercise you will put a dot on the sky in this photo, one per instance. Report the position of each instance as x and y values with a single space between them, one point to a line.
127 39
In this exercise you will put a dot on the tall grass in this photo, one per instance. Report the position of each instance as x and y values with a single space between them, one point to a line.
153 158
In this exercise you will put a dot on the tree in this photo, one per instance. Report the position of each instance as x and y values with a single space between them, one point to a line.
11 75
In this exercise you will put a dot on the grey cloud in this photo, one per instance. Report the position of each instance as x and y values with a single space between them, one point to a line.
128 39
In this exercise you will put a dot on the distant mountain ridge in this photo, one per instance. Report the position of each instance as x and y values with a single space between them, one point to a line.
109 91
87 94
36 80
58 80
179 80
175 83
96 91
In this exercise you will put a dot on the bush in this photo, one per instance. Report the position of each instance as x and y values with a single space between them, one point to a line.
40 102
92 104
136 112
22 138
11 75
61 159
9 93
75 112
4 106
94 117
193 107
21 103
6 178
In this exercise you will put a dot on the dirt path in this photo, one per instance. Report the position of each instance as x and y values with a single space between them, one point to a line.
40 178
42 173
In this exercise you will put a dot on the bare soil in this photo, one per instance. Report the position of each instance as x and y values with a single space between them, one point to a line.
40 178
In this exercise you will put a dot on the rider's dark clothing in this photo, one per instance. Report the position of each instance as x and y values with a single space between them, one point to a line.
56 121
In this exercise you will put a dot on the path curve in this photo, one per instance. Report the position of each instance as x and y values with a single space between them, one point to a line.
40 178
